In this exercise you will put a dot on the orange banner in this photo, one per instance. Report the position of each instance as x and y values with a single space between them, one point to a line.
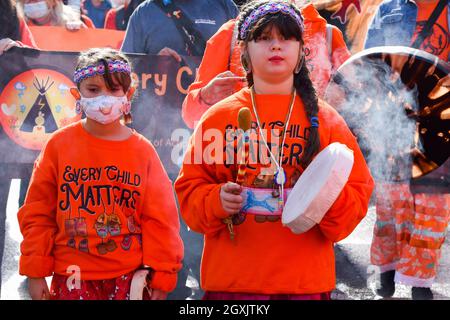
61 39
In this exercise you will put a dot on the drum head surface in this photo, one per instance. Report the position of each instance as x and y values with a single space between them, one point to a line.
333 164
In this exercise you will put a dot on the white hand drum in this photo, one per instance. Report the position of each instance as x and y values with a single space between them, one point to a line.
318 188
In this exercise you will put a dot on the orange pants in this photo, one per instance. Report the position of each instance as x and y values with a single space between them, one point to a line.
409 232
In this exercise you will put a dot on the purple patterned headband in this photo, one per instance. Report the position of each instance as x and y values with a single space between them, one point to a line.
269 8
92 70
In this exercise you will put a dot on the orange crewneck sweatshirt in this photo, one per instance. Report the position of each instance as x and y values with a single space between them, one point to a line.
104 206
266 257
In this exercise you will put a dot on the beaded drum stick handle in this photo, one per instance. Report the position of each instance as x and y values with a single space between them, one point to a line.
245 122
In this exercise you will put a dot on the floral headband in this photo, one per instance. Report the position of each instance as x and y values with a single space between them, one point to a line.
269 8
92 70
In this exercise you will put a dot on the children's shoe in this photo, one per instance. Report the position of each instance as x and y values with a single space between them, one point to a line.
101 249
101 227
133 226
69 228
387 284
421 293
72 243
114 225
126 242
83 246
81 227
111 245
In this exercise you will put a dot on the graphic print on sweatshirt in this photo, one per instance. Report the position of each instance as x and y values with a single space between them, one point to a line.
100 203
260 170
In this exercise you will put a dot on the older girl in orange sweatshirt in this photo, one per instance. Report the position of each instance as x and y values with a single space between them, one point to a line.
100 204
221 74
265 260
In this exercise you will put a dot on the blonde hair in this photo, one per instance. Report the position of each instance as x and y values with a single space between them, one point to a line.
357 22
60 13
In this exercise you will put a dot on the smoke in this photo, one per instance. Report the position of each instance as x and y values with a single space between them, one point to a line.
378 108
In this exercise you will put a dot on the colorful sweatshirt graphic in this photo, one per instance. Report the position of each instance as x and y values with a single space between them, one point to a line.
265 257
106 207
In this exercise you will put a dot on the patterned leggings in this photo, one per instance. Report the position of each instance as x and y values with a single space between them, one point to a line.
409 232
111 289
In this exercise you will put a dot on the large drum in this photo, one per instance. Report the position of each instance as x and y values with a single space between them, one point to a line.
396 100
318 188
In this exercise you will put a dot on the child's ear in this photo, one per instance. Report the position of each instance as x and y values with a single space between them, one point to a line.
130 93
75 93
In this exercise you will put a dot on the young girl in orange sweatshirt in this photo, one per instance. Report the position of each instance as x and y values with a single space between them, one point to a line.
100 204
265 260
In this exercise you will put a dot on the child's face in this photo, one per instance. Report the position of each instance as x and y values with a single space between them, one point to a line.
95 86
272 56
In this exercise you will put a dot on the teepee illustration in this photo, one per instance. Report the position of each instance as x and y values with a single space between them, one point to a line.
40 113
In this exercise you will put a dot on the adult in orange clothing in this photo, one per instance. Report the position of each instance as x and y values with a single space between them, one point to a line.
265 260
220 73
100 203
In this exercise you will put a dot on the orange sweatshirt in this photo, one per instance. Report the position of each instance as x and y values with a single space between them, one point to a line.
106 207
266 257
217 60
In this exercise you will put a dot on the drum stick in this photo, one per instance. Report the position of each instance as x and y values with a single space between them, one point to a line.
245 122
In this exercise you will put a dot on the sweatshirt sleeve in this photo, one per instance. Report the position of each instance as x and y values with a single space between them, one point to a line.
37 217
351 205
161 241
198 189
215 60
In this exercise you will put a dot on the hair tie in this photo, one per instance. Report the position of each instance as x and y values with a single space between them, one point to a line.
314 122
